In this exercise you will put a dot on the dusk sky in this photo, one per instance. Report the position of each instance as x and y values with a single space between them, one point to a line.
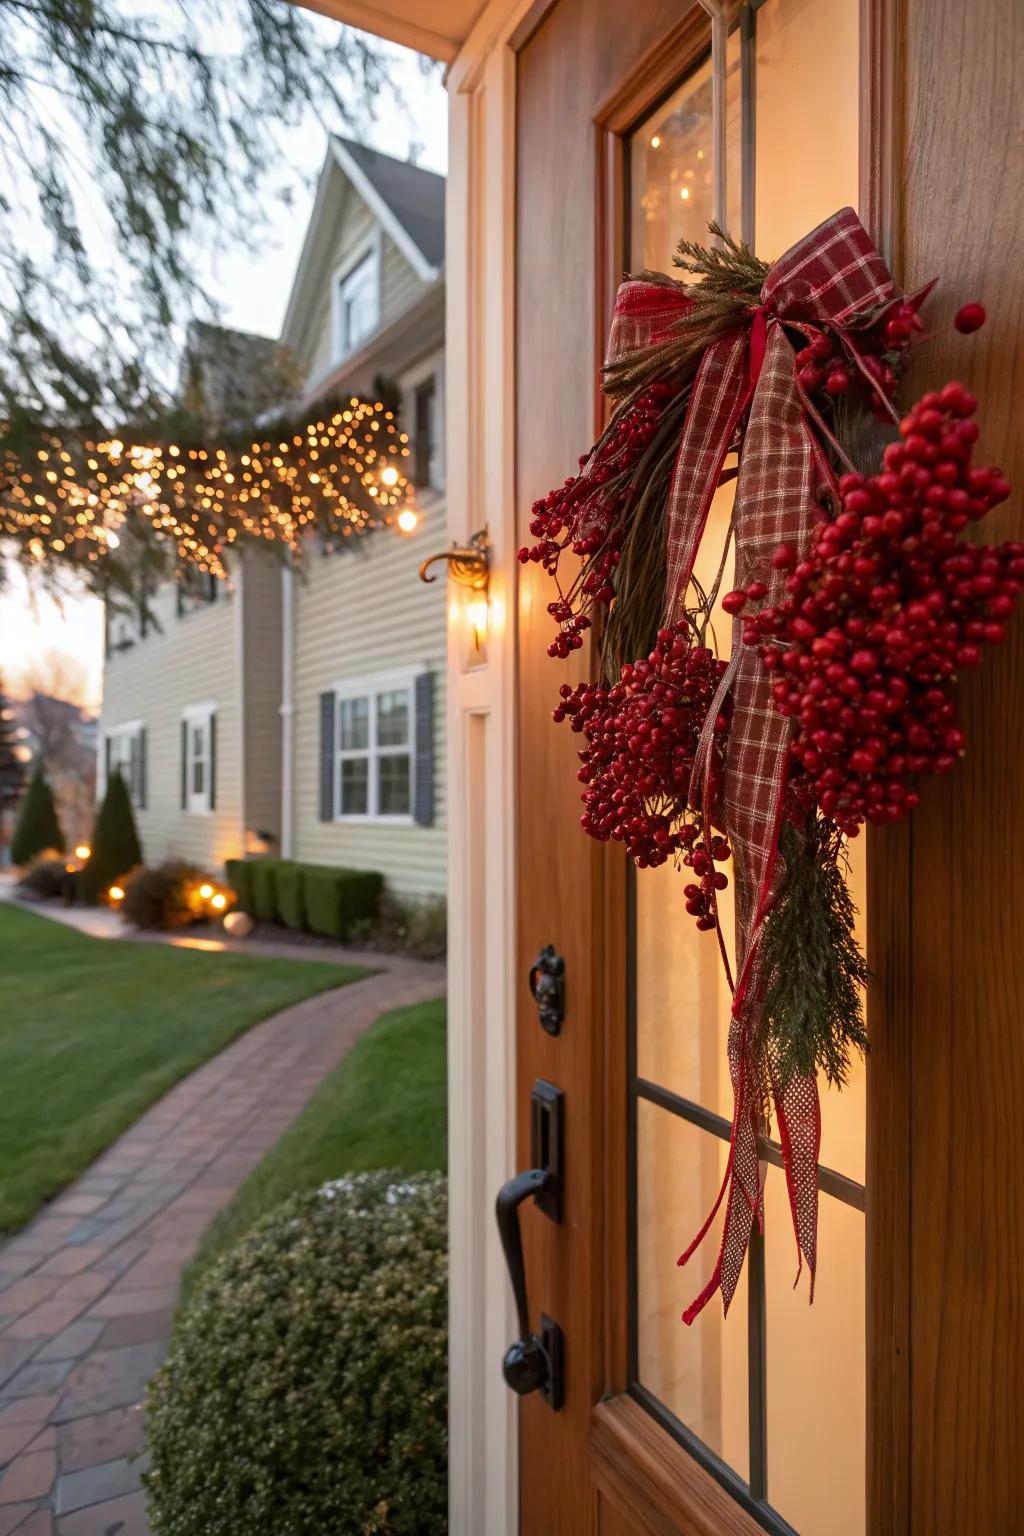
253 291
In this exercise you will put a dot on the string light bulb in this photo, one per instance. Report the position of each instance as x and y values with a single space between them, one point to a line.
407 520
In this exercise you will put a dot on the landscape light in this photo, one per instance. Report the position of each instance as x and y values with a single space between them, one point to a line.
219 901
83 851
116 893
206 891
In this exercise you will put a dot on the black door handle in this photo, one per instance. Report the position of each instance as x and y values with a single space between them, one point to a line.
533 1363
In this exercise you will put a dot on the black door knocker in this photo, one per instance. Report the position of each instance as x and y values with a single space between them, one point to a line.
547 988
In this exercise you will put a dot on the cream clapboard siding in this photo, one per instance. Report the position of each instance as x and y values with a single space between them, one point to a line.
261 672
357 613
193 660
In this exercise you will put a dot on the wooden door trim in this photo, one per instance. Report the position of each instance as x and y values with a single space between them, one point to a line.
658 1478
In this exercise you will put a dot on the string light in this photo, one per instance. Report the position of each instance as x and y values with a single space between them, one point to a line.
339 475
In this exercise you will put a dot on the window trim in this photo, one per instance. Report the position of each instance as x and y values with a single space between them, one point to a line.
370 686
191 715
368 250
126 728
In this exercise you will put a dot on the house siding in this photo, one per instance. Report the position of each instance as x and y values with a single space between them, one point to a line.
193 659
261 674
197 658
359 612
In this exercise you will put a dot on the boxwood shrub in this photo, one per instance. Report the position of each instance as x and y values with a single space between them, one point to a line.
291 905
336 899
263 876
238 875
306 1384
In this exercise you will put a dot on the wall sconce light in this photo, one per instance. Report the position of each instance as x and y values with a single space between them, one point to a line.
469 566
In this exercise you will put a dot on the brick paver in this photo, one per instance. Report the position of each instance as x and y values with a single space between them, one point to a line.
87 1289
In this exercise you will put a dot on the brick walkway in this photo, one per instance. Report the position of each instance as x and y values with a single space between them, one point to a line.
87 1290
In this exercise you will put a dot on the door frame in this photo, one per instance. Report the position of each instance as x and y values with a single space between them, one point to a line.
640 1468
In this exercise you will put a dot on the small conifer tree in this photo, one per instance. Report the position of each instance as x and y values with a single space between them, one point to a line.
38 828
116 849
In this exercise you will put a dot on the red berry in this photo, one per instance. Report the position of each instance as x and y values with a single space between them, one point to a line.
970 317
734 601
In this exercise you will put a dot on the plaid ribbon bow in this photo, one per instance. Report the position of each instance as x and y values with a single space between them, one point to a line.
834 277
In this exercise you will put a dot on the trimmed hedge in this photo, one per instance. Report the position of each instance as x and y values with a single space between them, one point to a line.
313 898
305 1389
238 875
336 899
291 901
263 875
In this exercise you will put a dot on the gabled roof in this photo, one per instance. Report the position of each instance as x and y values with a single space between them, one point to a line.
412 195
407 201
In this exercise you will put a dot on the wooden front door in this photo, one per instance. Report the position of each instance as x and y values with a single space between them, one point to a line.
889 1407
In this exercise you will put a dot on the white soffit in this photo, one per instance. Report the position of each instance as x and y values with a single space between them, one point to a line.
438 28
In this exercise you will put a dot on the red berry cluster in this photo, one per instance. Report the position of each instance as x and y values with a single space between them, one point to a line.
588 515
823 367
885 611
642 735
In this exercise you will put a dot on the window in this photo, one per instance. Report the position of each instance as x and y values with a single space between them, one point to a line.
125 753
194 589
198 759
734 1392
357 313
425 441
375 748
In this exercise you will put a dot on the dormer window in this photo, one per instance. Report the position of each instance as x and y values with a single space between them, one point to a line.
358 304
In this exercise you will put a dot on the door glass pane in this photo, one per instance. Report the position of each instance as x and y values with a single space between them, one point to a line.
672 180
700 1373
355 786
354 724
816 1370
807 143
682 997
844 1112
393 782
393 718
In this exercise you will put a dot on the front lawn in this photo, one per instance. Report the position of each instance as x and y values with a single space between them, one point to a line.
384 1106
92 1031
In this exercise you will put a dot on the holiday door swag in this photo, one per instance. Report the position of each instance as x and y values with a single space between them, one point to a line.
857 603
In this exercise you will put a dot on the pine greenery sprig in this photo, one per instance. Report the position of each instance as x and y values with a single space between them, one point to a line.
813 1013
726 270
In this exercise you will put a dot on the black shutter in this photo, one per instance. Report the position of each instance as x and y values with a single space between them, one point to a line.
106 762
143 766
212 797
184 765
423 785
328 713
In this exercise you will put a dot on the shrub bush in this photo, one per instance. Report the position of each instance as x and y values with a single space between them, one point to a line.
263 885
45 876
164 897
336 899
37 829
116 849
305 1386
238 876
418 928
291 900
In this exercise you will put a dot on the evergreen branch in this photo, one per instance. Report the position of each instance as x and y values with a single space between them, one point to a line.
812 1010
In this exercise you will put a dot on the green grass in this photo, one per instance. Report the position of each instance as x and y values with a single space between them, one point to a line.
92 1031
383 1107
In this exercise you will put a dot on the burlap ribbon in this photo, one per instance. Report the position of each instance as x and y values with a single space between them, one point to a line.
832 278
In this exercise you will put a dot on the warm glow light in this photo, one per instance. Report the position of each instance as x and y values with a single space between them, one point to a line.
407 520
389 476
116 893
206 891
656 141
83 851
219 901
476 616
684 193
112 540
